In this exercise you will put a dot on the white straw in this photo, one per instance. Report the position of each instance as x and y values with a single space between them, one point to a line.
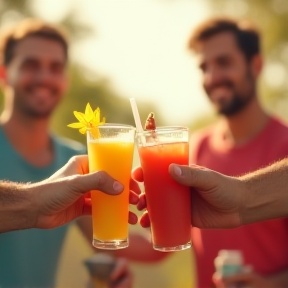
136 115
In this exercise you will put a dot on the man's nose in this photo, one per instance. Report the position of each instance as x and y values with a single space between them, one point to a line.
44 75
212 76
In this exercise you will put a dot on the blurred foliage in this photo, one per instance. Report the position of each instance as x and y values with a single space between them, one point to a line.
99 93
14 5
85 86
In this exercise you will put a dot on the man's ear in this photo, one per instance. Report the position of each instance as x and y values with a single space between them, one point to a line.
257 64
2 76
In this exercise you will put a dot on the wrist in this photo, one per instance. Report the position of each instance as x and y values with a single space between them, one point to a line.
16 209
253 201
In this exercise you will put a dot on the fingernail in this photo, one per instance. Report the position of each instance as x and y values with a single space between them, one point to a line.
177 170
118 187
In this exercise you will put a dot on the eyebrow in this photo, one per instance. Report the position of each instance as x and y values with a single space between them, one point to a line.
31 58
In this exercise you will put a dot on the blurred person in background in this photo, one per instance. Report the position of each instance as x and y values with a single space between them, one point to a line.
34 58
244 139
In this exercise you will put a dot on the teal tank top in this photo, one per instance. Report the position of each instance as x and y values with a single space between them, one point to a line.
29 258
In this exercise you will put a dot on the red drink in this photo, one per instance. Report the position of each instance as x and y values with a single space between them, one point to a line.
168 202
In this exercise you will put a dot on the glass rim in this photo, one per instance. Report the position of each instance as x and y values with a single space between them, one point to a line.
163 130
116 125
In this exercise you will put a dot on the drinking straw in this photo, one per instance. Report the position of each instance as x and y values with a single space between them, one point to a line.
136 115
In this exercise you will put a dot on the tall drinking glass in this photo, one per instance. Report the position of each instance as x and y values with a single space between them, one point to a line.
111 151
168 202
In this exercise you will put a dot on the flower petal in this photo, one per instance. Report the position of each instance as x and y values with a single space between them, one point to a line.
95 132
81 117
88 121
97 115
89 113
83 130
76 125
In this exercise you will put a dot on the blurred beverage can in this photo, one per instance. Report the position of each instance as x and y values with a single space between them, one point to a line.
100 267
228 262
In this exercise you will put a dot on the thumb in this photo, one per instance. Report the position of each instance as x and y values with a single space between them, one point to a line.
196 176
99 180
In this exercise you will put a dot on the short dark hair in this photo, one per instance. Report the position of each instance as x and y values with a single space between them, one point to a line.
246 34
10 37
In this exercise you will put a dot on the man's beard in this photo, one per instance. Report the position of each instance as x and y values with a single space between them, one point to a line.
236 105
240 99
38 114
37 108
34 112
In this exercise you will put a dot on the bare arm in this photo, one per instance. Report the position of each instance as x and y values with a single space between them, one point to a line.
219 201
15 202
266 193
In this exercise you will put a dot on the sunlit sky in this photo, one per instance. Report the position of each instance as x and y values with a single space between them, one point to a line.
140 45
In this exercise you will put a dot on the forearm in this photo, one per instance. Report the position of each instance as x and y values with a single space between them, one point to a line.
266 193
15 207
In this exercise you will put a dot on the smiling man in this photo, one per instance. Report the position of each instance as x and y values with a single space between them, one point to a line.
33 59
244 139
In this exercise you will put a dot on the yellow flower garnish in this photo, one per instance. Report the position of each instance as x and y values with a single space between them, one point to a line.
88 121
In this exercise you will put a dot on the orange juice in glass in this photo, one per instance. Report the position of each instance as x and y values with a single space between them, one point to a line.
168 202
111 151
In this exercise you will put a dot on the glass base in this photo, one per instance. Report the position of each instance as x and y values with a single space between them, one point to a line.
174 248
110 245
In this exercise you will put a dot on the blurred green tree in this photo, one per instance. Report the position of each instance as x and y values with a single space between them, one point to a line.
99 93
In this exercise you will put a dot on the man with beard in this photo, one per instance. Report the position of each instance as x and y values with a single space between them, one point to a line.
244 139
34 56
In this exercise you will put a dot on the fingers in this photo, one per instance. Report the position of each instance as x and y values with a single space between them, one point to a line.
121 268
145 220
87 207
96 181
121 277
134 186
141 202
132 218
82 163
241 277
248 278
77 165
137 174
196 176
133 198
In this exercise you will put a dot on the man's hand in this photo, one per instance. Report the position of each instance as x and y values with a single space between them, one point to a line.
121 276
247 280
216 199
61 198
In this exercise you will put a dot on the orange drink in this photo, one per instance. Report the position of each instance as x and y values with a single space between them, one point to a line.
168 203
112 152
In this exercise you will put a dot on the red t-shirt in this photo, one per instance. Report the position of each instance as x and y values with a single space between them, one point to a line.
265 244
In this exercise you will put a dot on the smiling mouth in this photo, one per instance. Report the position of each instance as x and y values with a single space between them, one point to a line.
41 92
219 93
